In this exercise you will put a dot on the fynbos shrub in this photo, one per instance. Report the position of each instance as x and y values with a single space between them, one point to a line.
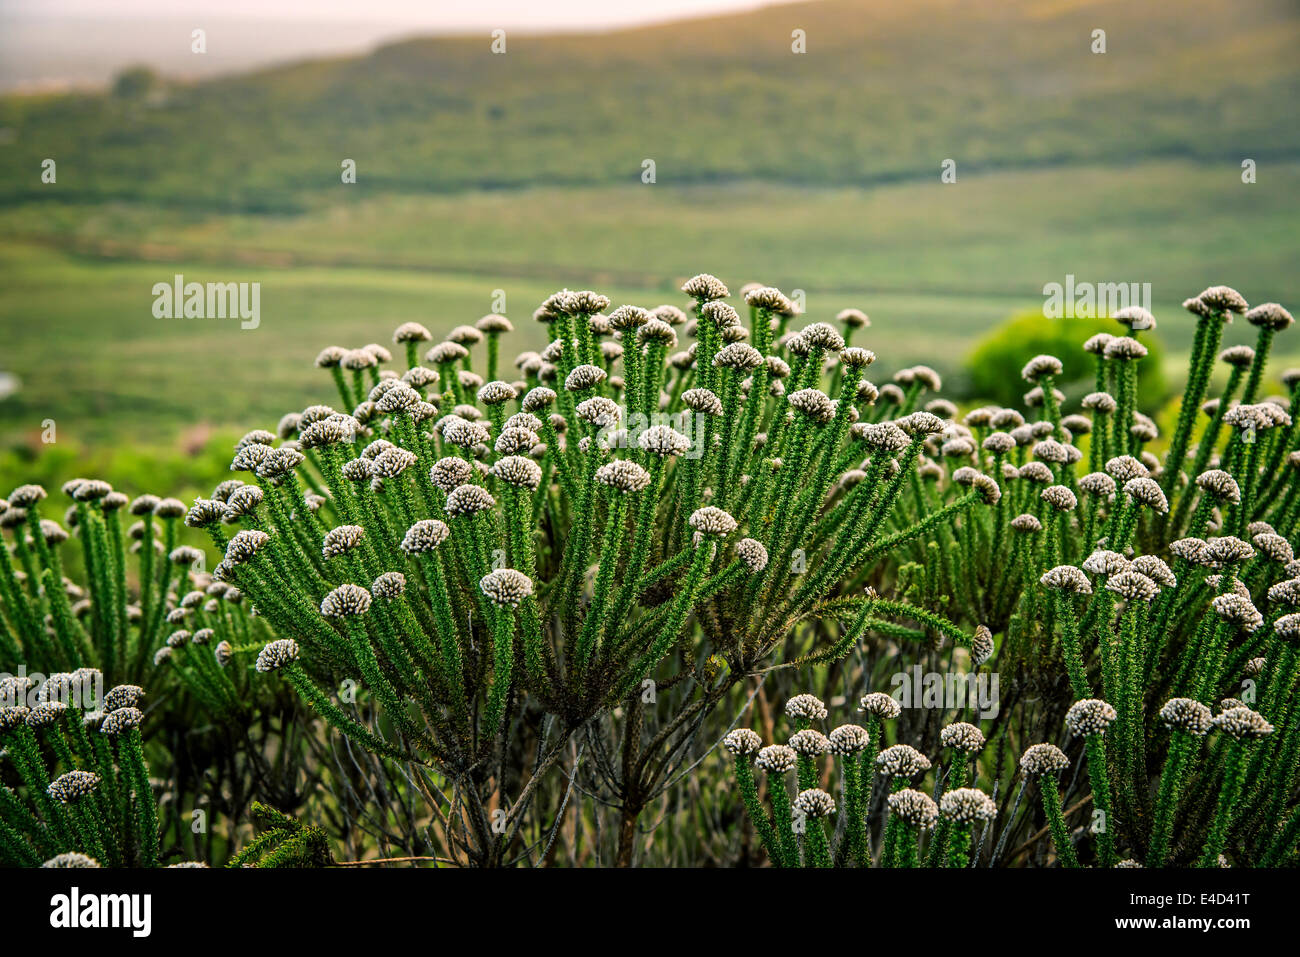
498 588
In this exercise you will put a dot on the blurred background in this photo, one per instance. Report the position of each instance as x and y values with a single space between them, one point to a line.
486 180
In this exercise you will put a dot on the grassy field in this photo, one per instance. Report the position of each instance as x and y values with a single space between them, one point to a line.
521 173
935 266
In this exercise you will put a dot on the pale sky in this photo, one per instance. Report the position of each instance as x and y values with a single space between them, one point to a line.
60 44
439 15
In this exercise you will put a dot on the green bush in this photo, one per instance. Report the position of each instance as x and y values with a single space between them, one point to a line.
993 367
135 83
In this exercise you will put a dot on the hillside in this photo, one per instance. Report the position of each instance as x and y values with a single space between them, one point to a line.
881 95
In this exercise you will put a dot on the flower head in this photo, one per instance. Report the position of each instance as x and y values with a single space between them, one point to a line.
599 411
1269 315
1105 562
1238 610
450 472
966 805
902 760
341 540
27 496
738 356
914 807
664 441
1040 367
506 586
1089 716
848 739
1227 550
623 475
1287 627
813 403
1043 759
389 586
425 535
806 707
122 696
702 401
1132 586
776 759
411 332
853 318
1060 498
809 743
277 654
584 377
1146 491
814 803
1242 722
121 721
711 520
856 357
881 436
345 601
1154 569
517 471
245 544
1066 578
469 500
1187 714
71 786
881 705
742 741
46 714
767 298
752 553
962 736
1273 547
1135 317
705 288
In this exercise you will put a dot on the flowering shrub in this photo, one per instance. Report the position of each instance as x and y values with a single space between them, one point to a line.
479 582
99 808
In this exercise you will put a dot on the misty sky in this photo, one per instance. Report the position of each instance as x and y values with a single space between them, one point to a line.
438 15
57 44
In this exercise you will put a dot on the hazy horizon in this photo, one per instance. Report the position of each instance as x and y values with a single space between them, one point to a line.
60 44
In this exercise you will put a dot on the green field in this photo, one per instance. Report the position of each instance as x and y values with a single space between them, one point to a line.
521 173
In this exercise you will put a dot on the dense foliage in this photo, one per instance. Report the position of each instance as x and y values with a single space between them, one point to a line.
491 622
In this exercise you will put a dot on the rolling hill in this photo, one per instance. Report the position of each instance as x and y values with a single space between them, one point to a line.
885 92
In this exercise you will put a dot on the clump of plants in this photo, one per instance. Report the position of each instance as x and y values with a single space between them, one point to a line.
526 600
142 589
1142 586
882 819
144 611
496 561
283 842
83 796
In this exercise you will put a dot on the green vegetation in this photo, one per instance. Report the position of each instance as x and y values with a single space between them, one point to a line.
995 362
885 93
466 584
479 172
